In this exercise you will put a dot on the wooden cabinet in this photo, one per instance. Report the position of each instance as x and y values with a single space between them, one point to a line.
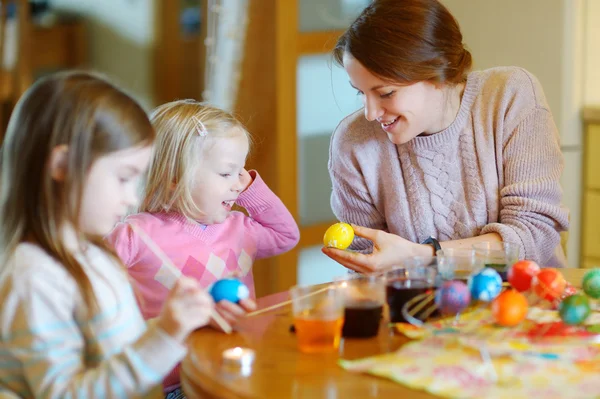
590 216
179 51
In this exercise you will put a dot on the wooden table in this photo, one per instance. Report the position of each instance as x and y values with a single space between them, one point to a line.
281 371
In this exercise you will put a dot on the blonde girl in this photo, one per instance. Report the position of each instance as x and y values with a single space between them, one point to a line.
196 175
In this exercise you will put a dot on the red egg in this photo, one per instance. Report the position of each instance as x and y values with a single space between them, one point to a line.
549 284
521 274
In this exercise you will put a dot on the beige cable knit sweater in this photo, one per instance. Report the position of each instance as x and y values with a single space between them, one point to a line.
496 168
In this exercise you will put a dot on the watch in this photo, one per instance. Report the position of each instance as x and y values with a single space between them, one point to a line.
434 243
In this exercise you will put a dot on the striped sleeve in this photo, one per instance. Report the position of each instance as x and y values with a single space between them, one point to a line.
45 348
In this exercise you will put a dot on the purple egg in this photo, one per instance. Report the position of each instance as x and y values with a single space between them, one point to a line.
452 297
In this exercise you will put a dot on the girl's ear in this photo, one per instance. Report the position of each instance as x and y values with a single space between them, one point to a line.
58 162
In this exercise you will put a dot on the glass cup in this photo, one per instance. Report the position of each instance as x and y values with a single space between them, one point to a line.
424 261
415 277
458 264
318 317
364 297
499 256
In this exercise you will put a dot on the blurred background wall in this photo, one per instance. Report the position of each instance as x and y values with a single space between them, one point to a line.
291 96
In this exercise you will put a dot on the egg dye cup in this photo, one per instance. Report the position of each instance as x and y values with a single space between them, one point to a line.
497 255
458 264
415 278
364 300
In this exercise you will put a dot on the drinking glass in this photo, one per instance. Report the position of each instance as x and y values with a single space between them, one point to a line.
364 297
318 317
497 255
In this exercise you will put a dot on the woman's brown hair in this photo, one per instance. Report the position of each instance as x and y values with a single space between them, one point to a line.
407 41
92 118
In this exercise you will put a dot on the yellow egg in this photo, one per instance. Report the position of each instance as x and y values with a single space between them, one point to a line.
339 235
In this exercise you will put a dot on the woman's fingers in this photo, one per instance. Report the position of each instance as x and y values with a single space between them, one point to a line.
352 260
365 232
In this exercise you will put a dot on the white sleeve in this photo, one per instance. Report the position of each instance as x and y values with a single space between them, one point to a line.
44 345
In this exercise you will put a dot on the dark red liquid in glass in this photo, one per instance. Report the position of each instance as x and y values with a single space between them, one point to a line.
501 269
361 319
402 290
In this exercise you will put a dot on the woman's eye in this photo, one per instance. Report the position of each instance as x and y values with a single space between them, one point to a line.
225 175
359 93
388 95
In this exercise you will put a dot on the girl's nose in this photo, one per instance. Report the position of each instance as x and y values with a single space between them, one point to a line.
238 185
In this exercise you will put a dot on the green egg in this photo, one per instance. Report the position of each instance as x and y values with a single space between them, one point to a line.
574 309
591 283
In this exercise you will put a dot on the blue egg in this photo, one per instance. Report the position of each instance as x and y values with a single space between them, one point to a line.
229 289
485 285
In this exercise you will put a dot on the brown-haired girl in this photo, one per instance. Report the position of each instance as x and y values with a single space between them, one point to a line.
439 151
69 322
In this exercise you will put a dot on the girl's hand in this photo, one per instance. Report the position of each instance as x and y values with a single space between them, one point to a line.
245 179
388 250
233 312
187 308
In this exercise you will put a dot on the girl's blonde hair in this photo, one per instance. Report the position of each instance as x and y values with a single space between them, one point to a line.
92 118
185 129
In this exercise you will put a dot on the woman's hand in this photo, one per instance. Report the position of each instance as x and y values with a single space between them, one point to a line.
388 251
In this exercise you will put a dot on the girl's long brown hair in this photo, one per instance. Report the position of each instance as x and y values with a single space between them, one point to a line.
92 118
407 41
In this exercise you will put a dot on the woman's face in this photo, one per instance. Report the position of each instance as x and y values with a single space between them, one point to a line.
404 111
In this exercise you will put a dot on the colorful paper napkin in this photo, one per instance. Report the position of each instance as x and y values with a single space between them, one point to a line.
541 358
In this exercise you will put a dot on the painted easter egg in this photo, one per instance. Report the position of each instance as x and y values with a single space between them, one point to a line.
485 285
569 290
574 309
549 284
339 235
521 274
229 289
452 297
509 308
591 283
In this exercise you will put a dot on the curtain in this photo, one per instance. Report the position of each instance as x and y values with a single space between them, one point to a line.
226 33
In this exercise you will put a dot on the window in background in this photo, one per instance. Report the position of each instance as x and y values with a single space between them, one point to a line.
316 268
324 98
320 15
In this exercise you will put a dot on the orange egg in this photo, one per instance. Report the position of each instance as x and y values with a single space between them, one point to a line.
509 308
